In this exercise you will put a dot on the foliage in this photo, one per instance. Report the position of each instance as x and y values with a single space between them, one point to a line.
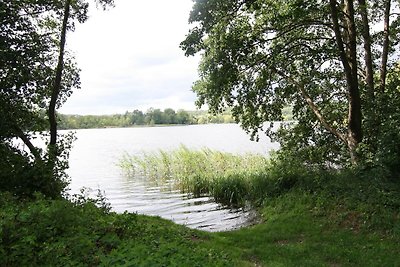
386 154
239 180
150 117
309 217
329 60
135 118
139 118
36 77
46 232
28 33
226 177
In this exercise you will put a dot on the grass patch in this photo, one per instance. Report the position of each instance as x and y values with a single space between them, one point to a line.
310 218
298 230
44 232
296 233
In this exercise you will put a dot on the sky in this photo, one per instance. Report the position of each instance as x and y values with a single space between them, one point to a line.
130 58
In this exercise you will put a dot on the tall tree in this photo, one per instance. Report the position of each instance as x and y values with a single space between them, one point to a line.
79 12
35 77
321 57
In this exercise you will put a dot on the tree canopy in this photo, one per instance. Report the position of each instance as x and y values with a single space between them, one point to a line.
139 118
334 62
37 75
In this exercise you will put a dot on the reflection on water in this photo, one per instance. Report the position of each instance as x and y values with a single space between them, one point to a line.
93 164
201 212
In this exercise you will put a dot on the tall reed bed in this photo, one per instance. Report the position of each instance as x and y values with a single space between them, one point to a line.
229 178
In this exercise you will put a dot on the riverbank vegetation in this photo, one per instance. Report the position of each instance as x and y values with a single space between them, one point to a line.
307 218
138 118
76 232
329 197
241 179
150 118
225 176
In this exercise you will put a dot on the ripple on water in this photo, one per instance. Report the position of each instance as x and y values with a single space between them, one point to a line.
200 213
96 152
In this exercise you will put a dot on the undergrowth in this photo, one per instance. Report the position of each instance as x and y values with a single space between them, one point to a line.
43 232
360 199
310 217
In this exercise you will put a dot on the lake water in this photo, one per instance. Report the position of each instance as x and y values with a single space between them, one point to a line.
94 164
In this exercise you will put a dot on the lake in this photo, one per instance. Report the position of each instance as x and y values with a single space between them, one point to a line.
94 164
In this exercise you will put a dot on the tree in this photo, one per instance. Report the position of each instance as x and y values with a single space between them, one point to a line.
78 12
137 117
169 116
36 75
327 59
25 69
182 117
153 116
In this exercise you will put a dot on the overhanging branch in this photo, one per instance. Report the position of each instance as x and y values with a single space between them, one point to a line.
313 106
28 143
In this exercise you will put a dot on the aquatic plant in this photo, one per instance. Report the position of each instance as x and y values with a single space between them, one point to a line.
225 176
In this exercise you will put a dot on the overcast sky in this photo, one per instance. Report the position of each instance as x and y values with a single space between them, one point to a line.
130 58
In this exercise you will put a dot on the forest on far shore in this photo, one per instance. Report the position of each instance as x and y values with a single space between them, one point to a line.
151 117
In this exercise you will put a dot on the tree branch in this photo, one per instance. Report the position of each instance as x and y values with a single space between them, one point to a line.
28 143
313 106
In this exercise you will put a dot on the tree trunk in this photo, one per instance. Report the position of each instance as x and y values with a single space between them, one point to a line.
348 56
369 73
57 87
385 48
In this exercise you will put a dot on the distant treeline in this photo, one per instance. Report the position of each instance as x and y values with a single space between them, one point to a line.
139 118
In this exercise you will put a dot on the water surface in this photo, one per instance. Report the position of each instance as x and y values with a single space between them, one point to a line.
94 164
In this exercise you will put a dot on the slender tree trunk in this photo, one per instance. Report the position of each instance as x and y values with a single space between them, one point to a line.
355 116
369 73
348 55
57 86
385 48
373 122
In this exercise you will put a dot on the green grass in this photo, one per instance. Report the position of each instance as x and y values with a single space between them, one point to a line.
63 233
295 233
299 229
229 178
309 218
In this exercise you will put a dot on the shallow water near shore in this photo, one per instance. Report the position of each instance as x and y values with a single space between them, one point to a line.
94 164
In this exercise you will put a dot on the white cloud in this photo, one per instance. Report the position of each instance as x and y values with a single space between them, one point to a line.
130 58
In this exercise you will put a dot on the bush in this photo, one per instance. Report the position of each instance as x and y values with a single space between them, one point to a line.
24 176
45 232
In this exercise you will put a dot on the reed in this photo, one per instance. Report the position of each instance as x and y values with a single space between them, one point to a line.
229 178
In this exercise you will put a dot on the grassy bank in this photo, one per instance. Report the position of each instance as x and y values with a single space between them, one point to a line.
299 230
309 218
64 233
